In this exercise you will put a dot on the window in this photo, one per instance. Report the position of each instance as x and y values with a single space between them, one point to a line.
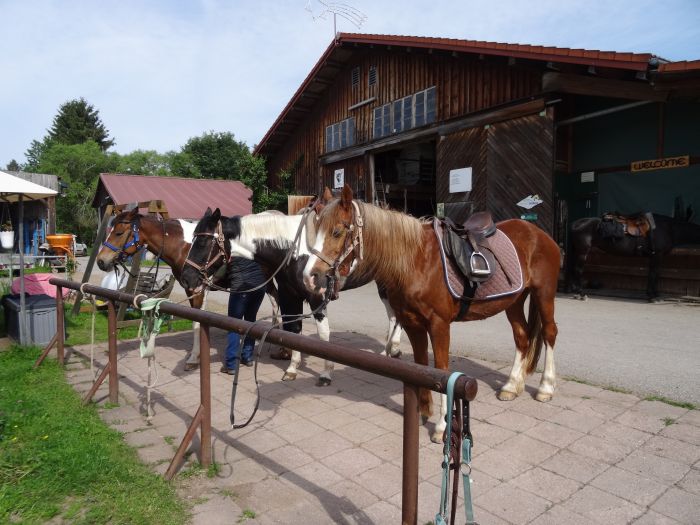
372 78
355 77
340 135
405 113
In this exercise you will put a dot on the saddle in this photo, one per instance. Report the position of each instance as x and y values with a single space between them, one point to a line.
638 225
468 247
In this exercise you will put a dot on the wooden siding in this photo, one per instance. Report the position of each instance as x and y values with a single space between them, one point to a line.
520 163
464 84
356 175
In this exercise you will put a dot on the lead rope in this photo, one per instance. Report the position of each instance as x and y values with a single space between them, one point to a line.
465 467
91 298
149 329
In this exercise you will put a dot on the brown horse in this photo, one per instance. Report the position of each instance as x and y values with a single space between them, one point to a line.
402 254
167 239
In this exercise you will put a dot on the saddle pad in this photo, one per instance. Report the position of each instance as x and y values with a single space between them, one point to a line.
507 277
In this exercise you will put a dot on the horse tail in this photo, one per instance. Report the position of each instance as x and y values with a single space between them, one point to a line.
534 337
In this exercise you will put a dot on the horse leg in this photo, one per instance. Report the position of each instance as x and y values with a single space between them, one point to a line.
324 334
199 302
393 335
440 340
292 306
653 278
516 381
580 254
544 302
273 296
419 342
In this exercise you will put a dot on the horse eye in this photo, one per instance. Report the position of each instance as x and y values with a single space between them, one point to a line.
337 233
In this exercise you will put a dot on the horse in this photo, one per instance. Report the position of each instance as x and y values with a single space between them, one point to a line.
402 254
587 233
269 240
170 241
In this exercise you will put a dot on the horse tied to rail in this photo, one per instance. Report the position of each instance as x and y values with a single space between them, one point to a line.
406 256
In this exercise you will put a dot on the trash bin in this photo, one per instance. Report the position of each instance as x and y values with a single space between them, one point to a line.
41 318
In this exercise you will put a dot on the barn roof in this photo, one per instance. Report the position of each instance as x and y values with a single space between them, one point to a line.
339 52
184 198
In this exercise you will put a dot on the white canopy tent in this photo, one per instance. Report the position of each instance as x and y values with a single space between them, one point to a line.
16 189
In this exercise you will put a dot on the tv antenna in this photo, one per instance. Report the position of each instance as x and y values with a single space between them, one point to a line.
337 9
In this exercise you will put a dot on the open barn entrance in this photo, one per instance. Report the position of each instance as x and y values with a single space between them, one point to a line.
404 178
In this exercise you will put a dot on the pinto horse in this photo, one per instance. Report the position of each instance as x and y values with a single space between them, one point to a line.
268 240
402 254
167 239
587 233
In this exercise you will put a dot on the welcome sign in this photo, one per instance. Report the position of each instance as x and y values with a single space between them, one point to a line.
661 164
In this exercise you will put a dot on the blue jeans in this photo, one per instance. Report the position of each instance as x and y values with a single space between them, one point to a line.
242 306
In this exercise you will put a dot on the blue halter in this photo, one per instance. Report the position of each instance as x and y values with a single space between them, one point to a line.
133 242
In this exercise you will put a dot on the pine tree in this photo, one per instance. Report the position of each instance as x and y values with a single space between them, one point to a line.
76 123
13 165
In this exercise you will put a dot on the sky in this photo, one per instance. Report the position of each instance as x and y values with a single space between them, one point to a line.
163 71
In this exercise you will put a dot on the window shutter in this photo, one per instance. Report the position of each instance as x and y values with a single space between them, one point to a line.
355 77
372 79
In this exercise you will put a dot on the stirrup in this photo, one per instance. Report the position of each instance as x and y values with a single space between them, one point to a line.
479 271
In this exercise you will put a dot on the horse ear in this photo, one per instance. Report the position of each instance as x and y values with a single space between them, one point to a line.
217 214
208 212
327 195
346 197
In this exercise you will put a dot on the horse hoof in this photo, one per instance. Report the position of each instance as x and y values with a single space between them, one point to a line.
544 398
507 396
437 437
191 366
288 376
323 381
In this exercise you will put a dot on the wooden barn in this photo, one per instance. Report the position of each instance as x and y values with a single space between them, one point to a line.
445 126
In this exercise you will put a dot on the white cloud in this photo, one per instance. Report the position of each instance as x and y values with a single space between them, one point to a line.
163 71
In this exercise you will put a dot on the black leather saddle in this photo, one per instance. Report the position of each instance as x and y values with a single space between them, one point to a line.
467 245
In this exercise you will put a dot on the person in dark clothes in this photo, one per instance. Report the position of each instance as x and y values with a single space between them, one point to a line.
244 274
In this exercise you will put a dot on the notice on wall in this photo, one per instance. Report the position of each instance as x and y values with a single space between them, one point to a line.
339 179
461 180
530 201
588 176
440 210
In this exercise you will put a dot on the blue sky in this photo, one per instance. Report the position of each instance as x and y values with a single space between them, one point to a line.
163 71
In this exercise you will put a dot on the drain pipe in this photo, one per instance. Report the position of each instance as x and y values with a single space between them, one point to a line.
603 112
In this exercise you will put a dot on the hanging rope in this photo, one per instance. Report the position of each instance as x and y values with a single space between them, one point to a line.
91 298
149 329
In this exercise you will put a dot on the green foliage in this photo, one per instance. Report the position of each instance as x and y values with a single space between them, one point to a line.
78 165
147 162
60 463
78 122
13 165
218 155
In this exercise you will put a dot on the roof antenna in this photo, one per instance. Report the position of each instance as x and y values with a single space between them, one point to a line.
337 9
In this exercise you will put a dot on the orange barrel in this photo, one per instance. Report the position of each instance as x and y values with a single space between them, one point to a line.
61 242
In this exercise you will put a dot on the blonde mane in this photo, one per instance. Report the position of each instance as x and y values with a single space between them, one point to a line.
278 229
392 241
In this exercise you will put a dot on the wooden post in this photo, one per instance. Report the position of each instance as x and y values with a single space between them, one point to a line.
409 486
111 366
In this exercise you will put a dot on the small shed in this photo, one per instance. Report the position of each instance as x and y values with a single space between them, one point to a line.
185 198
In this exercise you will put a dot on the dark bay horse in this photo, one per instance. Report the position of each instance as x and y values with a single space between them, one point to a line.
268 240
587 233
402 254
168 239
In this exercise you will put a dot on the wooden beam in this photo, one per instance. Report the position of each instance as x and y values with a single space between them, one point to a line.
601 87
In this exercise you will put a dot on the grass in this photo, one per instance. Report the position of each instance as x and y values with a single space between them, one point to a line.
246 515
79 327
668 421
59 461
681 404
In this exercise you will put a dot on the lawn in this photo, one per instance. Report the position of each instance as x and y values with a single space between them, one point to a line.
59 460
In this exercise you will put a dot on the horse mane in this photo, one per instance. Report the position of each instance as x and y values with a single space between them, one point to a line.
295 203
392 242
278 229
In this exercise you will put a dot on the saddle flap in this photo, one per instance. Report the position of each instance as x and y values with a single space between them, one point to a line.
480 224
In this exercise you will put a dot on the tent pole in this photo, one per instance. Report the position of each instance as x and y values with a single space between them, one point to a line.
23 335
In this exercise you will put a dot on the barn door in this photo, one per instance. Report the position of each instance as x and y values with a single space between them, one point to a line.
520 163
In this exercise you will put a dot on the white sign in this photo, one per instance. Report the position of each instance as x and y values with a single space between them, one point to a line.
530 201
461 180
588 176
339 179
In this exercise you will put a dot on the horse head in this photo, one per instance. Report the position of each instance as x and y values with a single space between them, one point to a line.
122 241
338 242
208 252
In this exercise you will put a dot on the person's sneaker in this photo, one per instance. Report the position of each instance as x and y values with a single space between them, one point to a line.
248 362
227 370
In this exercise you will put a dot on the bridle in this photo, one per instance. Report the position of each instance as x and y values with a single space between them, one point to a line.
219 244
354 243
135 241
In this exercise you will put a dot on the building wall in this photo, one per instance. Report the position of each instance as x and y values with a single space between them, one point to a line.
464 85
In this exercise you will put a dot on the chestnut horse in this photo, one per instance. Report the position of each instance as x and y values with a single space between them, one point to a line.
401 253
167 239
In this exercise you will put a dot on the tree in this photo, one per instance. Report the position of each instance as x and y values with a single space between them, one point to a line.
78 122
142 162
221 156
13 165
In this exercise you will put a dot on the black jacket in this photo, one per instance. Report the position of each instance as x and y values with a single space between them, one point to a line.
244 274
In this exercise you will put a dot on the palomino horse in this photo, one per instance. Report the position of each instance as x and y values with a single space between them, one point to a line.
402 254
167 239
268 240
587 233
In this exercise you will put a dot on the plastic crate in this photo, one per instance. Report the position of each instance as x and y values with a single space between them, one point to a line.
41 318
